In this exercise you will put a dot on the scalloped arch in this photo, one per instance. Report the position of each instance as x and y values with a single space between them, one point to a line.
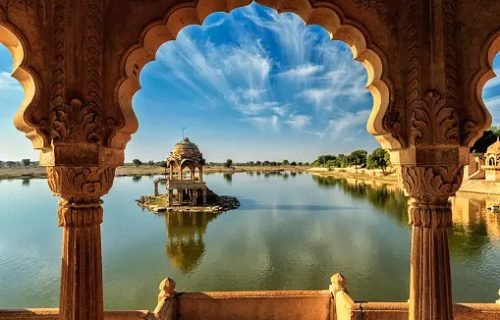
16 45
327 16
488 53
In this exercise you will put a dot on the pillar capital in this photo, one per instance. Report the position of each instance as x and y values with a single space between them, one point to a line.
80 186
430 186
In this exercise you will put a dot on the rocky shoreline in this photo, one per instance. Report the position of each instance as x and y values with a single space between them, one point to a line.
157 204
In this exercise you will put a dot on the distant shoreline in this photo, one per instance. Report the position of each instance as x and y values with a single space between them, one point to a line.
360 174
125 171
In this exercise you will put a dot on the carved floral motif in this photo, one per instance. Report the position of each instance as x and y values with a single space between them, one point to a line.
433 121
431 184
80 185
76 122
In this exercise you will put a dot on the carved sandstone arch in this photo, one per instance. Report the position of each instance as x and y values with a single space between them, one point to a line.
25 75
487 54
381 123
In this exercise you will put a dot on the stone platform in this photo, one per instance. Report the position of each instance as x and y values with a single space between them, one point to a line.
158 204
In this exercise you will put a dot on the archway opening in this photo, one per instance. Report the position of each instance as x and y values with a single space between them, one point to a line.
277 79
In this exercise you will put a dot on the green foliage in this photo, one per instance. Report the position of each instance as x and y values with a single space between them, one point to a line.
228 163
162 164
322 160
378 159
137 162
489 137
285 162
357 158
25 162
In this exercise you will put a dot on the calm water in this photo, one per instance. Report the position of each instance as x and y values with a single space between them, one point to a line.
291 232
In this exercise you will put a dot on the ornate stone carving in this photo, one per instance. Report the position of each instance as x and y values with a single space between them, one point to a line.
427 184
58 78
94 40
76 122
80 184
166 307
434 122
429 188
79 215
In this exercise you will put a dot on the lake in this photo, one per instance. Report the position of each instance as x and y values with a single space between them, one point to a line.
292 231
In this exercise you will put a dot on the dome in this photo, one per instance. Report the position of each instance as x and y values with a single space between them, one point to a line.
494 147
185 150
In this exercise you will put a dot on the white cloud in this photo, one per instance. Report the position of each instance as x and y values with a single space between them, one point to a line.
7 83
493 105
347 122
280 110
319 97
299 121
302 71
252 93
264 123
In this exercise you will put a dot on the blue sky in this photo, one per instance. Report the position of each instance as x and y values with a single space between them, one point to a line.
251 85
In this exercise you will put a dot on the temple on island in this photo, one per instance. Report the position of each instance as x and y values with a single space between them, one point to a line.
185 185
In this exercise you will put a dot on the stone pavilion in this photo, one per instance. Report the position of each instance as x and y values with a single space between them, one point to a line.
185 185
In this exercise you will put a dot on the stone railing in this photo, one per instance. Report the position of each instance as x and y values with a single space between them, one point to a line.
332 304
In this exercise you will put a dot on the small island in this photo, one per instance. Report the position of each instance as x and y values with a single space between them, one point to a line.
185 189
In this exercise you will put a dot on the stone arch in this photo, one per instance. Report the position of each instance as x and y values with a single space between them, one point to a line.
381 123
18 47
487 54
491 161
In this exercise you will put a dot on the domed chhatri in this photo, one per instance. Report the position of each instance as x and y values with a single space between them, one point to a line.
185 151
186 190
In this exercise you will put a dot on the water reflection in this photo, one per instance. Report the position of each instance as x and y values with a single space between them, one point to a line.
136 178
474 227
389 198
185 246
228 177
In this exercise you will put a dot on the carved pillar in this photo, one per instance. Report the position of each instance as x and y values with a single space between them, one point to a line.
201 173
80 215
195 197
180 193
156 187
169 199
204 196
429 188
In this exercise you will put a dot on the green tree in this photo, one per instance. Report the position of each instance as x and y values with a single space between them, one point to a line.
26 162
357 158
322 160
285 162
489 137
378 159
228 163
259 163
342 161
293 163
137 162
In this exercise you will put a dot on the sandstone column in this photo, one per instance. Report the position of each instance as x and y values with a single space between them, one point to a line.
429 188
80 215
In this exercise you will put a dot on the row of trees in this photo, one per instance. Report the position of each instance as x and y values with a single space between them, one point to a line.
230 163
378 159
17 164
